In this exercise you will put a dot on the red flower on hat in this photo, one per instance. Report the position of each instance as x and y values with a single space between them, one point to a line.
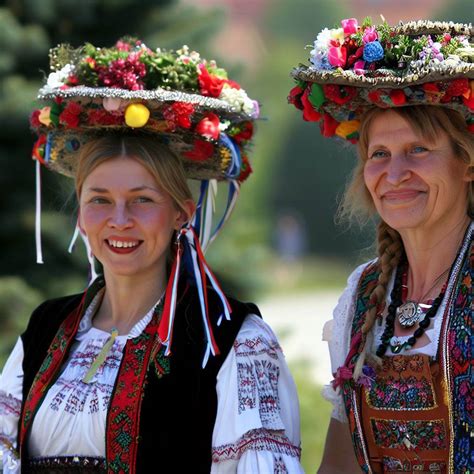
102 117
70 116
398 97
310 114
456 88
245 133
178 114
208 127
374 96
246 169
295 97
210 85
329 125
339 94
34 119
202 150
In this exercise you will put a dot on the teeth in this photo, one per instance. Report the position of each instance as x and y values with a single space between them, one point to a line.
121 244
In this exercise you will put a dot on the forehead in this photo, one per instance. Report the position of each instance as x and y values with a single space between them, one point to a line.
120 172
389 127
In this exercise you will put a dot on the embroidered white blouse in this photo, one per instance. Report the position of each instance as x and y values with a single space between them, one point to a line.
257 423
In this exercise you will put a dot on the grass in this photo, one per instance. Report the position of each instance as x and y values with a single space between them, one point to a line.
315 413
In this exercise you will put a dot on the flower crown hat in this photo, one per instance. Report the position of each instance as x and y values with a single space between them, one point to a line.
186 102
357 67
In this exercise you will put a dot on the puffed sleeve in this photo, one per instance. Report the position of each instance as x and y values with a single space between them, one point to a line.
337 332
11 387
257 425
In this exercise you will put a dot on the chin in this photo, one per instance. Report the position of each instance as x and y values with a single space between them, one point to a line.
400 220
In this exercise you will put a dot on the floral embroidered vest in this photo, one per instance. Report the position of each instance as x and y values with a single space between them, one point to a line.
162 410
421 385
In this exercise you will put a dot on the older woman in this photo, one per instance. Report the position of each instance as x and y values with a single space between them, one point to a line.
401 337
153 367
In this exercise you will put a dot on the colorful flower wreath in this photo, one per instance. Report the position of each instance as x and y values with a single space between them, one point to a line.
356 67
186 101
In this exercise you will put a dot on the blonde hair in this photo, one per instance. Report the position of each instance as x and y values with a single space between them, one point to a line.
165 167
358 205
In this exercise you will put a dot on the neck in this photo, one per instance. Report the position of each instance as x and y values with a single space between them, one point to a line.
442 243
127 299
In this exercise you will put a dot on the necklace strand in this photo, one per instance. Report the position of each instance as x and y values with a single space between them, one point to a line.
395 302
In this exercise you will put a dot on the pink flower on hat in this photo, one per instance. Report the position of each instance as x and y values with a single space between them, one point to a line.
370 34
349 26
337 56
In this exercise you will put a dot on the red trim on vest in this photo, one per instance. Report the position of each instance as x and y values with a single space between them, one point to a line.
49 368
123 417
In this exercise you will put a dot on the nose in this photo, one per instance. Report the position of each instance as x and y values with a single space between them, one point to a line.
120 217
398 169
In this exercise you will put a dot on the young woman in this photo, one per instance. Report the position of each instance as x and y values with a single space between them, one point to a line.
153 367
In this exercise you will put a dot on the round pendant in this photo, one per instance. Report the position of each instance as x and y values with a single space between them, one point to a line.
408 314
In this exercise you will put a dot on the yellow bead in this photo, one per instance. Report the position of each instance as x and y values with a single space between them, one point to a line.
136 115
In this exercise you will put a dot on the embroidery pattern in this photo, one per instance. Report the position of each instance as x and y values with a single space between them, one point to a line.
124 412
409 392
256 440
279 466
76 396
409 435
247 387
9 405
269 401
459 339
260 378
257 346
392 464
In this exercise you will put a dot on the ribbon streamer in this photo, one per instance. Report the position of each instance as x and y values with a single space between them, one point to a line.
39 252
200 272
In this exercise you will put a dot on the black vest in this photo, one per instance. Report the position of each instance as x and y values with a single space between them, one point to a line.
178 410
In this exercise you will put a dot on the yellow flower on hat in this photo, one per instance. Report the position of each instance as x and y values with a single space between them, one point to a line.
337 34
136 115
344 129
44 116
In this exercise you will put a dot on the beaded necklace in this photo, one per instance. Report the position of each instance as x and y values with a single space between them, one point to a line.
396 298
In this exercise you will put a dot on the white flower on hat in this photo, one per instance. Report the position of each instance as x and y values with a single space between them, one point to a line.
318 55
237 98
56 79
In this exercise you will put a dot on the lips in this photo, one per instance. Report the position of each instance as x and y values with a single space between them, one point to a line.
400 195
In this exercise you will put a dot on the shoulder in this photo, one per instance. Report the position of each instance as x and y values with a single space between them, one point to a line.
51 313
256 338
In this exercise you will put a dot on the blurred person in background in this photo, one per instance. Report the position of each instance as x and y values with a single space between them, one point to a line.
153 367
401 335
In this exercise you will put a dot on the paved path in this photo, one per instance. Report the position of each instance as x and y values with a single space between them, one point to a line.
298 321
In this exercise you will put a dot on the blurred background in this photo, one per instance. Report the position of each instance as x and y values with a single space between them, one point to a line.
282 248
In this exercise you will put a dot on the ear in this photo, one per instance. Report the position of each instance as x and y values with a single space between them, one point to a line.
185 215
469 176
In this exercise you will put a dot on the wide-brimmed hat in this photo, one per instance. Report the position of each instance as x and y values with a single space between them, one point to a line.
187 102
357 67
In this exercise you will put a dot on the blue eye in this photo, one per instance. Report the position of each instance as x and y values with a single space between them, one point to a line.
99 200
143 199
418 149
379 154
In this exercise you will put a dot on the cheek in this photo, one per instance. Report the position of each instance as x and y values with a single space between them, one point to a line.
371 176
91 219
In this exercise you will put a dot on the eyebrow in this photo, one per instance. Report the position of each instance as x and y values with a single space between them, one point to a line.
133 190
